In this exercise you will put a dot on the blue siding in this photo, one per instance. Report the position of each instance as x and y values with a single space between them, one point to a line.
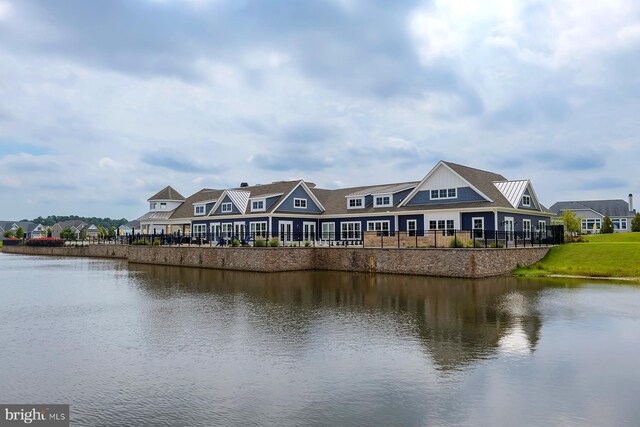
234 208
402 219
363 223
298 193
467 220
465 194
398 197
533 203
297 226
270 201
368 201
208 207
518 219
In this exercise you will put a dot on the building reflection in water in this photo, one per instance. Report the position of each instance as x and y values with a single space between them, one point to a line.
457 322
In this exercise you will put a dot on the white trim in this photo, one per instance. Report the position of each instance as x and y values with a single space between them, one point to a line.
415 228
195 209
382 196
284 235
438 190
473 227
253 232
525 232
265 196
421 183
306 235
381 222
223 205
302 202
362 200
258 200
357 235
528 204
331 233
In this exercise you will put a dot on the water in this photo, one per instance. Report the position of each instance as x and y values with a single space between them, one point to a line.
138 345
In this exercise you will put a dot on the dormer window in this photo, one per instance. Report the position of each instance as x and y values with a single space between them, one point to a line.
300 203
381 201
152 206
526 200
257 205
198 210
226 207
444 193
355 203
163 205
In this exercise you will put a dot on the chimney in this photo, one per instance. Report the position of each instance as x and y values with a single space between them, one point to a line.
630 202
244 184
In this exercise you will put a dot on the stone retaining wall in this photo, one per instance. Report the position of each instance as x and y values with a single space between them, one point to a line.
469 263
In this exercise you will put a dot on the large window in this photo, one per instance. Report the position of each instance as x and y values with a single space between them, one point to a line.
351 231
328 231
258 229
591 225
447 225
526 228
300 203
199 230
542 227
444 193
227 230
381 201
227 207
619 223
355 203
380 227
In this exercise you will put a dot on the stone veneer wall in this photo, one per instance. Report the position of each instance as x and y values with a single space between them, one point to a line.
469 263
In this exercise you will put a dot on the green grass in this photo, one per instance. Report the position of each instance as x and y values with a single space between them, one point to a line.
603 255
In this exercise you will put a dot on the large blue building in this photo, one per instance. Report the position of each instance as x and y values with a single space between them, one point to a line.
450 197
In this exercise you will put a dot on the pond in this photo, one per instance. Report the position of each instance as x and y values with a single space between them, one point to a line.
141 345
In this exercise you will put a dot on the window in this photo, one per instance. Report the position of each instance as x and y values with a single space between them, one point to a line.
380 201
380 227
257 205
227 230
447 225
445 193
542 227
199 230
152 206
163 205
526 228
227 207
350 231
526 200
478 227
258 229
355 203
433 225
619 223
300 203
412 226
328 231
591 224
198 210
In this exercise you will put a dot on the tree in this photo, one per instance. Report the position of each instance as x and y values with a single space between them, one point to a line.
102 232
67 234
8 235
635 222
571 222
112 232
20 233
607 225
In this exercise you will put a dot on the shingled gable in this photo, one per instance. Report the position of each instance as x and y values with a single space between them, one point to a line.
167 193
185 210
479 181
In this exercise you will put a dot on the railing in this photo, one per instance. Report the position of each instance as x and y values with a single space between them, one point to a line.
447 238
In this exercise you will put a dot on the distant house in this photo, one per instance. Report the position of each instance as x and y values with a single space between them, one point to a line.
591 213
78 226
31 229
162 206
129 228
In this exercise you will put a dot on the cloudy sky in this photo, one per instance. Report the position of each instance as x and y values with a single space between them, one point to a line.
103 103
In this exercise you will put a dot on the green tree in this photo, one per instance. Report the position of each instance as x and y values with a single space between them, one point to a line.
8 235
635 222
20 233
112 232
67 234
607 225
570 221
102 232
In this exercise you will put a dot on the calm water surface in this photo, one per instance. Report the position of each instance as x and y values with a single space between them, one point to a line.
138 345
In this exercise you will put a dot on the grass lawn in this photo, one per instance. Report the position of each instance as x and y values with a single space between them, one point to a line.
602 255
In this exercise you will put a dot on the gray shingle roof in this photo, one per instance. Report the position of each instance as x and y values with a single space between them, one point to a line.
611 208
185 210
167 193
77 223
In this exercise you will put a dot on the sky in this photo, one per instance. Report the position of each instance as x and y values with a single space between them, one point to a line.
105 102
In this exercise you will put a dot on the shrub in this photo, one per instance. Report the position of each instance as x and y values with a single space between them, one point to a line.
260 243
496 245
143 242
9 235
49 242
67 234
607 225
235 243
475 244
156 242
307 244
274 242
20 232
455 243
635 222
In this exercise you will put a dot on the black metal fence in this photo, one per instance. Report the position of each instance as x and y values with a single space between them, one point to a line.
447 238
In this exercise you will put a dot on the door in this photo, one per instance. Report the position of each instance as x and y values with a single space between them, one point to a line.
412 226
238 231
286 231
215 231
508 228
309 231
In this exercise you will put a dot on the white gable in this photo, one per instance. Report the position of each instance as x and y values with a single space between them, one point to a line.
512 190
442 177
